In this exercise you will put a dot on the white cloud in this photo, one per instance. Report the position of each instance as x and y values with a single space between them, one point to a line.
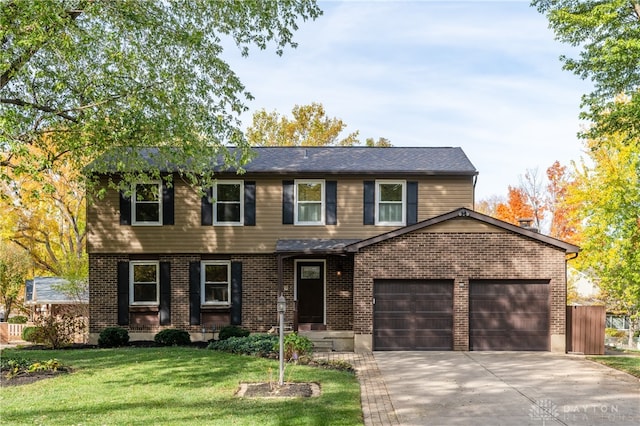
481 75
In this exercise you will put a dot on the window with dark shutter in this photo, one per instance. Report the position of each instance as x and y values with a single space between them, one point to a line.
165 293
287 202
250 204
412 203
125 209
331 202
369 207
206 208
167 205
123 293
194 293
236 293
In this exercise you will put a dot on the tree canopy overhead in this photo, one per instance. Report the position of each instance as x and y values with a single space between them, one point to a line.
89 75
608 34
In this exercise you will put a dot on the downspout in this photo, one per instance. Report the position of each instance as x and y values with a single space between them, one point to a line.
473 196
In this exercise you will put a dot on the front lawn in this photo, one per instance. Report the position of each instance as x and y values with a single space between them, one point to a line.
629 364
173 386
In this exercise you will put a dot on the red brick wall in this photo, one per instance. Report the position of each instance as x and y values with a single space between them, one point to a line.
460 257
259 292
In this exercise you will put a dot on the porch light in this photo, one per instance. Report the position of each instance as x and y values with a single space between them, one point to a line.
282 305
339 271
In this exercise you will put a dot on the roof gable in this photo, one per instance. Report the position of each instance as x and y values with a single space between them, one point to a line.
463 213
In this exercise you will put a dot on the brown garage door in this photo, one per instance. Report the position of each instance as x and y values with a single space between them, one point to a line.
412 315
508 315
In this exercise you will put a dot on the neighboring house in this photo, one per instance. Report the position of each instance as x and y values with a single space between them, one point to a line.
43 297
373 249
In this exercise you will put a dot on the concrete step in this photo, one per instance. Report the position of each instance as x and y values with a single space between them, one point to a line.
322 345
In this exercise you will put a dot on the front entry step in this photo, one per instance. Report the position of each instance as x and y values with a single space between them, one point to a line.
311 326
328 341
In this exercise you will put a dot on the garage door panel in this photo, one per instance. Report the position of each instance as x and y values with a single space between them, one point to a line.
413 315
509 315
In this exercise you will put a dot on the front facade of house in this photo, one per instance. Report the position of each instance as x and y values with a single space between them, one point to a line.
375 248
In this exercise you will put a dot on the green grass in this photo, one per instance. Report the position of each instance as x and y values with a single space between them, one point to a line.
628 364
173 386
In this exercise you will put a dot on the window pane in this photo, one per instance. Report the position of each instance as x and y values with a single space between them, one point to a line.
144 274
147 192
147 212
216 273
391 212
391 192
229 192
216 293
144 292
228 212
310 212
309 192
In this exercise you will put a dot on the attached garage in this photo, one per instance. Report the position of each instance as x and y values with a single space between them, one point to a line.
413 315
509 315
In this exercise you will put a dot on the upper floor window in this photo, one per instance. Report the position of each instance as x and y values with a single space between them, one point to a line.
309 196
144 279
228 205
390 202
146 203
216 282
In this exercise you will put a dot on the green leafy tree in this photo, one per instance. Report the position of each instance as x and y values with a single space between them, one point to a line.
608 34
607 196
308 126
80 77
14 268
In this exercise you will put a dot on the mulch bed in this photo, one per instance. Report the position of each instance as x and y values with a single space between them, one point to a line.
273 390
25 379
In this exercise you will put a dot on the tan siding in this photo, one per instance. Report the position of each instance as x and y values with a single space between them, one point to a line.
106 235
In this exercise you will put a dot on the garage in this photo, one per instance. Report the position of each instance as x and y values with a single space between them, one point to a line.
509 315
413 315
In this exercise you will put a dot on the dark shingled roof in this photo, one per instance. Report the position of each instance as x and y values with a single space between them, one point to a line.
339 160
316 246
42 290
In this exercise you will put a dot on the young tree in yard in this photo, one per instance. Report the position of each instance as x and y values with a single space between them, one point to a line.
308 126
15 266
607 198
608 34
80 77
489 206
515 208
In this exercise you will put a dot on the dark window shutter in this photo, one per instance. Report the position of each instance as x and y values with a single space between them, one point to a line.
194 293
236 293
167 205
369 202
206 208
123 293
331 202
287 202
250 204
125 209
412 203
165 293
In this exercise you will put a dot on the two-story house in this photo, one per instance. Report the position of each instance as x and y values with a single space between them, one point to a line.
373 249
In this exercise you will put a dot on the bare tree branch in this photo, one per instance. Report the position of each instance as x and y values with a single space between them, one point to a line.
44 108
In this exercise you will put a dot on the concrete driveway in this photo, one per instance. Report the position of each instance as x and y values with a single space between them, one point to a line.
507 388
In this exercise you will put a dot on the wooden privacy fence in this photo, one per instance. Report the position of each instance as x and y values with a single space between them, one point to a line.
585 329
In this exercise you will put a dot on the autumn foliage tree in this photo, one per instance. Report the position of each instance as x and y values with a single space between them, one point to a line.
515 207
564 225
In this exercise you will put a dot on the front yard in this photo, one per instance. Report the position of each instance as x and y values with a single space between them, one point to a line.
173 385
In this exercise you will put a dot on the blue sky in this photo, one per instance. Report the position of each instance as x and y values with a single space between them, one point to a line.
482 75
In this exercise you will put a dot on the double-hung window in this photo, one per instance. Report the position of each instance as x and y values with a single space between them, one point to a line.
309 196
216 282
144 279
146 203
390 202
228 208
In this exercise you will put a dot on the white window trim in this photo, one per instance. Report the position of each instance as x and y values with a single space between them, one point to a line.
134 202
215 202
322 202
404 202
131 284
203 264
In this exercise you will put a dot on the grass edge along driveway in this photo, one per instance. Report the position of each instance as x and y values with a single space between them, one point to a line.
173 385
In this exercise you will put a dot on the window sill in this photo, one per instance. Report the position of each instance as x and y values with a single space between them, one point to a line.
216 308
143 308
